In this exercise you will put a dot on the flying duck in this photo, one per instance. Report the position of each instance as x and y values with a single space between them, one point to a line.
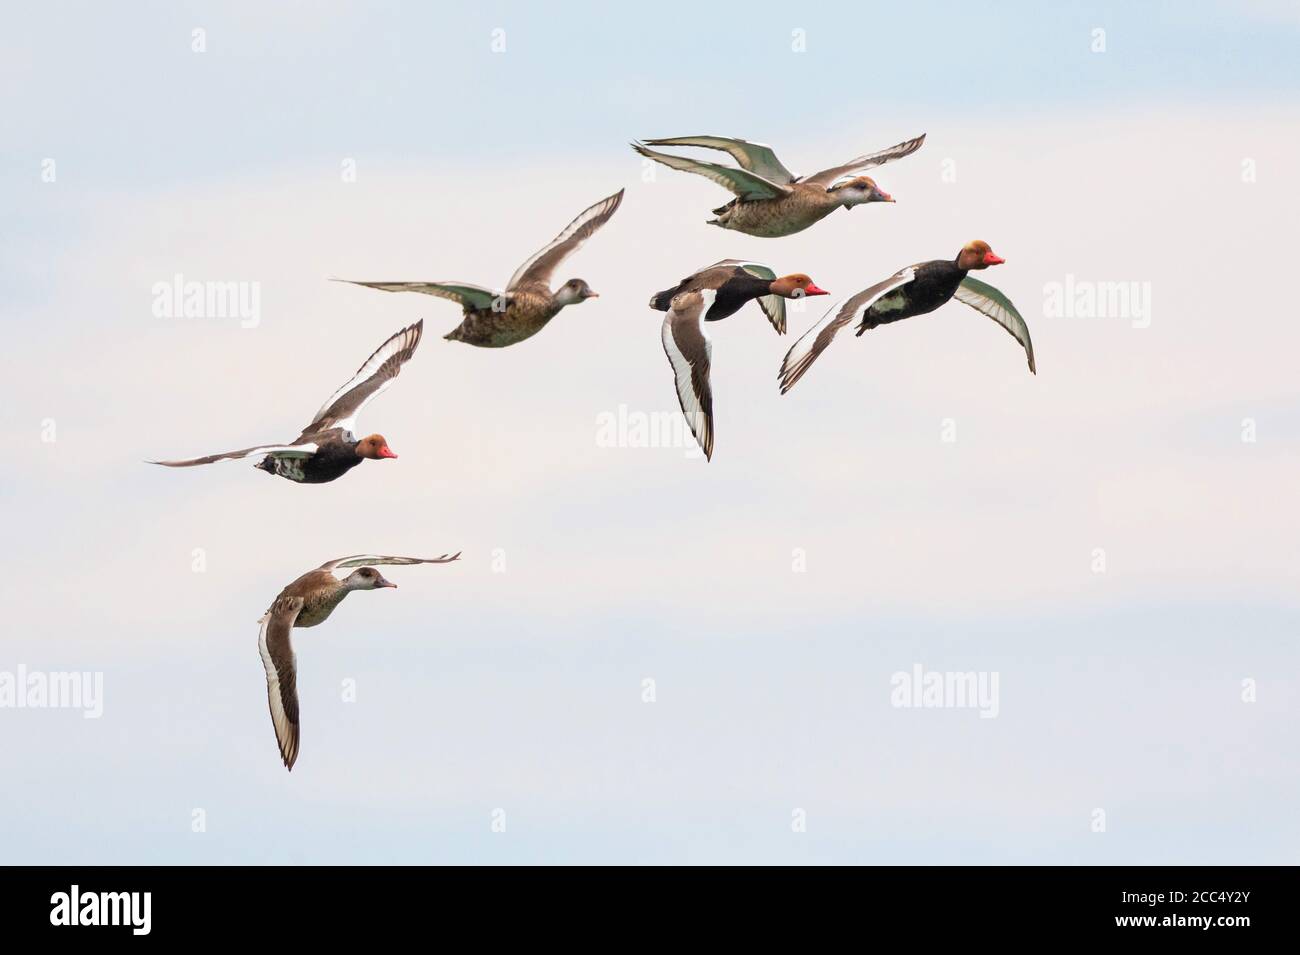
912 291
770 200
327 449
306 602
711 294
497 319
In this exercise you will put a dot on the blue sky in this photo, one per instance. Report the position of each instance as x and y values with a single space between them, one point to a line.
514 680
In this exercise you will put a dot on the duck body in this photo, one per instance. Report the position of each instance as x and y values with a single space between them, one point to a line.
806 205
335 455
320 591
734 285
934 284
525 313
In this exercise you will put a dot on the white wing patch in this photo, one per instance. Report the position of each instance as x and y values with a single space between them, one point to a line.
286 730
697 408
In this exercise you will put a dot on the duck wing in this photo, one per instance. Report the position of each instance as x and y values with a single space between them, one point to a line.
474 297
988 301
362 560
690 353
817 339
756 157
371 379
827 177
281 667
741 182
539 268
773 306
304 450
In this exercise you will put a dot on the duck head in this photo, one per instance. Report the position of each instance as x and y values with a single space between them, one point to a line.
859 189
366 578
574 291
374 447
976 254
797 285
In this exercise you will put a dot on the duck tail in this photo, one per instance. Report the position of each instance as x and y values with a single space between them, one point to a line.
716 222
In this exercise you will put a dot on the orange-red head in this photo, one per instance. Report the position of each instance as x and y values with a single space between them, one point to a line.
976 254
374 446
797 285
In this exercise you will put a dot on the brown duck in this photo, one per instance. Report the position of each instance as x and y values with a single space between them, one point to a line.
770 200
327 449
306 602
497 319
709 295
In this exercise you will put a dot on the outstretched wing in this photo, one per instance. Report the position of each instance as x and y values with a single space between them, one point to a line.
371 379
989 301
816 340
773 306
827 176
281 673
741 182
305 450
363 560
756 157
538 269
462 293
690 352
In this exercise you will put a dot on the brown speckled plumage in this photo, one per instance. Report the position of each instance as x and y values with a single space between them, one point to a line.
525 314
769 218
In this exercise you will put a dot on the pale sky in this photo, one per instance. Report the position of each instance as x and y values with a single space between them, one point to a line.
835 539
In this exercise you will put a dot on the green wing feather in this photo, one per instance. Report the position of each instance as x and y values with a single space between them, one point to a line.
988 301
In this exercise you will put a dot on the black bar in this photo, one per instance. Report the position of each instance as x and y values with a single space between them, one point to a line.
328 904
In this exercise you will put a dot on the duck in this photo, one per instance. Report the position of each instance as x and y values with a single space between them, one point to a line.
308 602
770 200
327 448
911 291
497 319
708 295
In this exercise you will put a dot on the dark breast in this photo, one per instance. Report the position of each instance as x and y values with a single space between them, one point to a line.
733 284
332 460
934 284
740 288
330 463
